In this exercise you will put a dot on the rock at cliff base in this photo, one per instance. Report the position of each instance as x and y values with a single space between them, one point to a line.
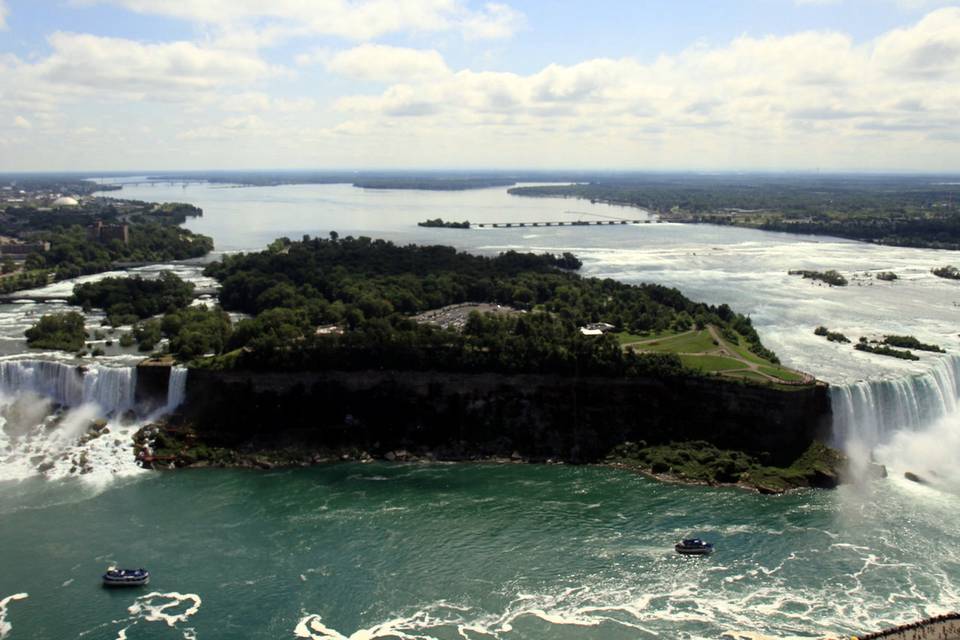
912 477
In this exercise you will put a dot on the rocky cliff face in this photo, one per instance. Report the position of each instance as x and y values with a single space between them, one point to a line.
539 416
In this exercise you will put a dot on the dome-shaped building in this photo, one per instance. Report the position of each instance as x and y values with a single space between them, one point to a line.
65 201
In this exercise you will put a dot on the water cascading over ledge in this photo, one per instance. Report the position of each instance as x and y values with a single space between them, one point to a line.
870 413
112 389
60 420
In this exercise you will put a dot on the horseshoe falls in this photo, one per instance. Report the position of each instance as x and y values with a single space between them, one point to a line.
908 423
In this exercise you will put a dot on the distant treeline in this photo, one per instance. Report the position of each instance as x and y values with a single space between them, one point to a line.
423 182
896 210
434 184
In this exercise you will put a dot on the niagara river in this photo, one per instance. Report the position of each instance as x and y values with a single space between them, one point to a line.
473 551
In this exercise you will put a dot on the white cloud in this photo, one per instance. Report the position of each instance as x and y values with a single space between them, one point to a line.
495 21
383 63
792 92
816 98
130 67
22 123
356 20
930 49
261 102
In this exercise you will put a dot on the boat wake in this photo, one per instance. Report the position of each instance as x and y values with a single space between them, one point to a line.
172 609
6 627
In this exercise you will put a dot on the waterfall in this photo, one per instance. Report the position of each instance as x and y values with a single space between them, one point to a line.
871 412
62 420
176 388
111 388
910 423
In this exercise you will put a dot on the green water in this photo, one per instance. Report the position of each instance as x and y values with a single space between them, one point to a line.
466 551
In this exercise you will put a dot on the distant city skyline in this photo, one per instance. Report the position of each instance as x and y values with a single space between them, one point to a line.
748 85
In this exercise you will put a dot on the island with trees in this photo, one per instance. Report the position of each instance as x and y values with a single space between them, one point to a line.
335 356
440 223
831 277
948 272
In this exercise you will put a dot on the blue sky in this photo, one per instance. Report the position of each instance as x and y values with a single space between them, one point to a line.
749 84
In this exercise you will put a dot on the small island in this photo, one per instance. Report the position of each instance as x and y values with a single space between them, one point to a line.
910 342
439 223
832 336
948 272
832 278
881 349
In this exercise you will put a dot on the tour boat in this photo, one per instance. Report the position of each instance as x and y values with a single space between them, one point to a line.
125 577
694 547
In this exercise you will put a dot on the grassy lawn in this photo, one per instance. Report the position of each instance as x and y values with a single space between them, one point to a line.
745 352
629 338
696 342
752 376
783 374
709 364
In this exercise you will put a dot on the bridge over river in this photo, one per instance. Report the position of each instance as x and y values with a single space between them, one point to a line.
562 223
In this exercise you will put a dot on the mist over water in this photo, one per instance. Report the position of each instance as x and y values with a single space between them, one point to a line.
485 551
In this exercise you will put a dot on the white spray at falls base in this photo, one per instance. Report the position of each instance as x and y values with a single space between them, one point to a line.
908 424
58 420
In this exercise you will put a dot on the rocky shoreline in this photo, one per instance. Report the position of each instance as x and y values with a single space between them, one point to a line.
177 445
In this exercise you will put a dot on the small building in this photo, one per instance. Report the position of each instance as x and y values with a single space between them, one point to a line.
602 327
329 330
23 248
106 232
65 201
590 332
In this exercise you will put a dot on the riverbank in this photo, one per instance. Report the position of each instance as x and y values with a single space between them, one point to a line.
175 444
700 463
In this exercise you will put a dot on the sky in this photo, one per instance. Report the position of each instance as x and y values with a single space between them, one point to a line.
652 85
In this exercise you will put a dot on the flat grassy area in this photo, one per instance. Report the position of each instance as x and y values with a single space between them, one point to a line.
694 342
753 376
781 373
626 338
736 361
710 364
743 350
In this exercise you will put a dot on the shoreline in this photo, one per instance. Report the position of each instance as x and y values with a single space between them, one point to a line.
161 447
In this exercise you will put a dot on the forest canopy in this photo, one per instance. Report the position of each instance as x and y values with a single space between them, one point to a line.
370 289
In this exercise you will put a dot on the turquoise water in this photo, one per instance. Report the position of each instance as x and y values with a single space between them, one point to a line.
466 551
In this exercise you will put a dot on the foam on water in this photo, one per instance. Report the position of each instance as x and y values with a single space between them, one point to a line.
171 608
5 626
